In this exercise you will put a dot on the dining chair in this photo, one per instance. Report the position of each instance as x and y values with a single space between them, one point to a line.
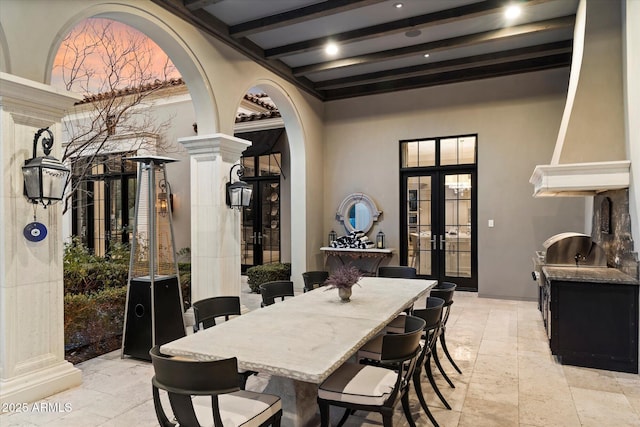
206 311
276 289
370 353
314 279
187 382
375 388
432 315
397 271
445 290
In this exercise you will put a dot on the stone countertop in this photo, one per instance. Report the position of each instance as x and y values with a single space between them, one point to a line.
610 276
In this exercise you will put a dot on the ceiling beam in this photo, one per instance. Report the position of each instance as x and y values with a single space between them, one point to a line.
297 16
497 70
216 28
439 45
474 61
421 22
199 4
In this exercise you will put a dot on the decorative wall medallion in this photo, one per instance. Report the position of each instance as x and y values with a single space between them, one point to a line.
35 232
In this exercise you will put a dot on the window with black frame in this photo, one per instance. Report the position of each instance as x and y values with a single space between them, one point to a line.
103 200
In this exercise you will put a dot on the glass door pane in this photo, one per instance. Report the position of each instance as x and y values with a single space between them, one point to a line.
115 212
419 224
270 222
457 225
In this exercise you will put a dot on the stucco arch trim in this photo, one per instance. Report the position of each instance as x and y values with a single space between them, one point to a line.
298 170
177 39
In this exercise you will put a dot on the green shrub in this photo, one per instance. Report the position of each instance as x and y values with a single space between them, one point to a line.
87 273
94 277
93 318
184 269
260 274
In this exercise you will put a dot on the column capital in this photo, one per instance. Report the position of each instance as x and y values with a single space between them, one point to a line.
20 94
209 147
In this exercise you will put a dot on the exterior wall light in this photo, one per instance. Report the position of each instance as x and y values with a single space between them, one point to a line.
165 198
239 192
45 178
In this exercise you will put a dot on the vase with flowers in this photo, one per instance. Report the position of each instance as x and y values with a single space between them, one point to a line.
343 279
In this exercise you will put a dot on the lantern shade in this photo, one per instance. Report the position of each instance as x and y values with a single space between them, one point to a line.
239 194
45 179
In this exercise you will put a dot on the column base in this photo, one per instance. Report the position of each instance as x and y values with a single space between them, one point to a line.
40 384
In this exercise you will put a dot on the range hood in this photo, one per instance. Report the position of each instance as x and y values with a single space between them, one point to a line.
589 155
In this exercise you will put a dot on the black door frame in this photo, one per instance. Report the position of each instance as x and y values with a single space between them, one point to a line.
257 183
437 174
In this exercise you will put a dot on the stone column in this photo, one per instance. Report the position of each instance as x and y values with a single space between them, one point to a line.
215 229
32 364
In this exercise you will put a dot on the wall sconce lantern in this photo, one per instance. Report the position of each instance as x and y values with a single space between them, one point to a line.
332 237
45 178
380 240
239 192
165 198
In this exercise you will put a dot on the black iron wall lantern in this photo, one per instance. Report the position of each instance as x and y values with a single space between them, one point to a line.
239 192
165 198
45 178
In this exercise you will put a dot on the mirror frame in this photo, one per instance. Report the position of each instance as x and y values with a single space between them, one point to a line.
343 211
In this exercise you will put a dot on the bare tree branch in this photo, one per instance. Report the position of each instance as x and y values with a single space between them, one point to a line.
119 71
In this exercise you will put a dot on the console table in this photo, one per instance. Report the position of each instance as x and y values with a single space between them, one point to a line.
371 257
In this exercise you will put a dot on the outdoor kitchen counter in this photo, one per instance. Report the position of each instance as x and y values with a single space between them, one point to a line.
588 274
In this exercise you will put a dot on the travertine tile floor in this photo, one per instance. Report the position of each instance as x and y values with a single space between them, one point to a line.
509 379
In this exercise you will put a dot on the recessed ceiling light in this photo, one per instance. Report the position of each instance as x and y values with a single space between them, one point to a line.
413 33
426 55
398 5
512 12
331 49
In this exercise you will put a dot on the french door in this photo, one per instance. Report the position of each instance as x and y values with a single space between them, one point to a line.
438 235
261 219
261 225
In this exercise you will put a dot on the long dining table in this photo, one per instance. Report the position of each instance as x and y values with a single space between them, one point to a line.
304 339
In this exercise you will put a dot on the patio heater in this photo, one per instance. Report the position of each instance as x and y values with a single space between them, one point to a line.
154 308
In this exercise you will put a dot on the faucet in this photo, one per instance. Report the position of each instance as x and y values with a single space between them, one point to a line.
579 257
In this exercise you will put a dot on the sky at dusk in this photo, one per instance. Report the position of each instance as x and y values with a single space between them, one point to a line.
138 59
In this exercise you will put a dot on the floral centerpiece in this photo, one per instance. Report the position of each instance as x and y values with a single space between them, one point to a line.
343 279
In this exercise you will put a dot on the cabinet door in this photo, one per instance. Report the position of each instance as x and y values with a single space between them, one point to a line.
595 325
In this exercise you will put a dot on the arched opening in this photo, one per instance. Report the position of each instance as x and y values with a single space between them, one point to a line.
111 187
279 202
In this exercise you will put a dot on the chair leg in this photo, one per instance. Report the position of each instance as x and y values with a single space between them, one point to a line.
444 374
427 366
446 352
324 413
418 388
347 413
277 419
407 408
162 417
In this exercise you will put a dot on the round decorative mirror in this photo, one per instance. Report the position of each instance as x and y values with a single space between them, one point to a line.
358 212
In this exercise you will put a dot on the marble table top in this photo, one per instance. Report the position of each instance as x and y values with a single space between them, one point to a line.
308 336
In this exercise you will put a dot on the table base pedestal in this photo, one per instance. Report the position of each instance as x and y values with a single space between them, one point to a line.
299 399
